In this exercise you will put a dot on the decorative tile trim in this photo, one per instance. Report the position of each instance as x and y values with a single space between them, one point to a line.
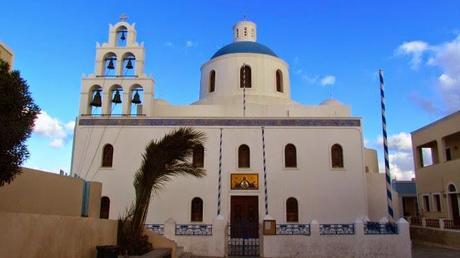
376 228
157 228
216 122
293 229
337 229
194 229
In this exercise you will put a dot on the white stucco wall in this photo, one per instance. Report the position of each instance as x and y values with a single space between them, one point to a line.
356 246
335 195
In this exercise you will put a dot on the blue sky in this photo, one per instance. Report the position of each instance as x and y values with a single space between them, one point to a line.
415 42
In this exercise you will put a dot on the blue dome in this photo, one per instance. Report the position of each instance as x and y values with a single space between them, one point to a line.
244 47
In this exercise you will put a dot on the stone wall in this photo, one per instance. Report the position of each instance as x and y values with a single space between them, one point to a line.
37 235
440 237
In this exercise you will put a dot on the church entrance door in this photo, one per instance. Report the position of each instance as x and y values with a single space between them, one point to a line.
244 226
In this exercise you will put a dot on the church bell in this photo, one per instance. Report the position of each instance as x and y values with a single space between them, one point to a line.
136 98
122 37
111 66
129 65
116 98
97 100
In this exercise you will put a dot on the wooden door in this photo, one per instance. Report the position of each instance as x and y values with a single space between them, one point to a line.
244 217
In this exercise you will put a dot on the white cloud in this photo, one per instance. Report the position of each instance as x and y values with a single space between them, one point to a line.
50 127
190 44
70 125
400 155
309 79
399 142
328 80
445 56
168 44
415 49
57 143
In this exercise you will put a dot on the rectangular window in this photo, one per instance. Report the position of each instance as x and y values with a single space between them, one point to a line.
437 201
426 202
428 154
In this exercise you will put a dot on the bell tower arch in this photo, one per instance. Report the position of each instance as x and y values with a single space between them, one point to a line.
119 65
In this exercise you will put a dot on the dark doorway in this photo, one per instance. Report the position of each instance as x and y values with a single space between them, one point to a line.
454 206
244 226
105 207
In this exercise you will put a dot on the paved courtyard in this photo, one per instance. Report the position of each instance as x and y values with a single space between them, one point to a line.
425 251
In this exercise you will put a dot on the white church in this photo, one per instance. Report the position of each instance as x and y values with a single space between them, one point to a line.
282 177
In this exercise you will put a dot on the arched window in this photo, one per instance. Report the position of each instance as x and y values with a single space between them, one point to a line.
337 156
290 156
244 156
245 77
105 207
122 36
279 81
107 156
116 98
136 100
292 210
129 64
95 100
451 188
212 81
110 64
198 156
197 209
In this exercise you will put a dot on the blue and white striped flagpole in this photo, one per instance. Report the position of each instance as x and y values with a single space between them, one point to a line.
385 147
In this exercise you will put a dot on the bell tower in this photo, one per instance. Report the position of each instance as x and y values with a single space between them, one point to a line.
119 85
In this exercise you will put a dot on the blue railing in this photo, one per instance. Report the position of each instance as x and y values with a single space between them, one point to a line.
337 229
157 228
376 228
194 229
293 229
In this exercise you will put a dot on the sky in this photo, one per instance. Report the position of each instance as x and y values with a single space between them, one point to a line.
333 48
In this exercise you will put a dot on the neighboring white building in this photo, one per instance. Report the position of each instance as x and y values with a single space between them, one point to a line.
267 157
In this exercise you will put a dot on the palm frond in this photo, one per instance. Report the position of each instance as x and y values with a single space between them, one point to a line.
162 160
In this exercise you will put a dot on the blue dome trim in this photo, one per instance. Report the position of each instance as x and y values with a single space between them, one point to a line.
244 47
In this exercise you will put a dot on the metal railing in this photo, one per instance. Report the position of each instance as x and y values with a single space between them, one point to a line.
337 229
377 228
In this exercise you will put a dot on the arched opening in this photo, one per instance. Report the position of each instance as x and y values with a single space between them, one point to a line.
244 156
105 207
110 64
122 36
107 156
197 209
136 100
116 99
337 156
129 65
454 207
292 210
245 76
198 156
290 156
212 81
95 100
279 81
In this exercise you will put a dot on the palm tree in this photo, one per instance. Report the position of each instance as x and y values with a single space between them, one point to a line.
162 160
